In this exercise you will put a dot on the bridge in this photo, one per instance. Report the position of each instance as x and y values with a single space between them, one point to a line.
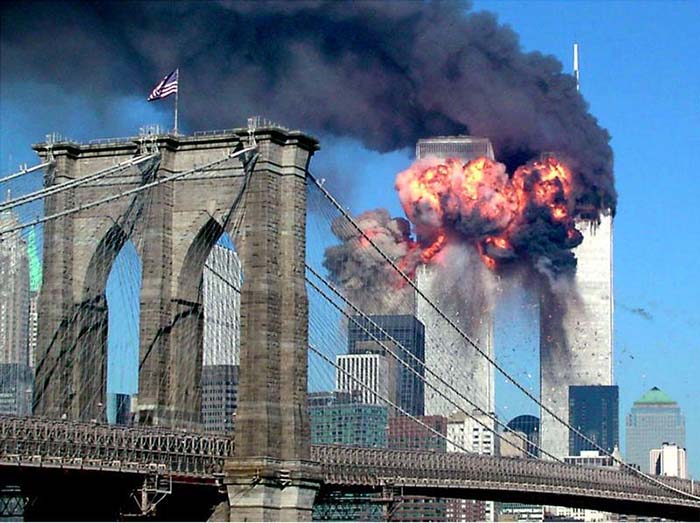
199 459
174 197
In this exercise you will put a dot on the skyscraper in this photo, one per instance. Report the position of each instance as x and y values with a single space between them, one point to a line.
35 279
14 295
221 296
576 331
407 331
16 377
654 419
343 418
593 411
467 303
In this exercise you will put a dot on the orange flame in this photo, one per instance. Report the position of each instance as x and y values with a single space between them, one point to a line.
441 195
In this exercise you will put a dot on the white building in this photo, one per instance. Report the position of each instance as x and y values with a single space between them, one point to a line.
221 295
14 295
669 460
465 432
576 328
373 373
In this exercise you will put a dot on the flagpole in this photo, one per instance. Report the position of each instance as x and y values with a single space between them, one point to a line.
177 94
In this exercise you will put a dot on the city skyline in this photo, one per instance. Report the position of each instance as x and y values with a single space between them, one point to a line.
660 300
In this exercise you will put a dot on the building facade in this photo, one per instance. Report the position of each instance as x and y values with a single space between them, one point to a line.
14 294
576 328
474 434
669 460
119 409
654 419
371 376
343 418
221 301
593 411
408 335
16 376
219 398
529 426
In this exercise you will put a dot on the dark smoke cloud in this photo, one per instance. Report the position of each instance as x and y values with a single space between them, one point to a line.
385 73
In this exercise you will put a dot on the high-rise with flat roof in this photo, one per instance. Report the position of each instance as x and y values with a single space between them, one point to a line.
221 298
469 372
576 328
654 419
593 411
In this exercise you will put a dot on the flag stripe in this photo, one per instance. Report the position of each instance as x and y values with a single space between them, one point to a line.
165 87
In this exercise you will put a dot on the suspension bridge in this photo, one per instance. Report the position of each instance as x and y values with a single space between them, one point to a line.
173 198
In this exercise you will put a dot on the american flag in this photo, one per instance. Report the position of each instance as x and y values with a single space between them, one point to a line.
165 87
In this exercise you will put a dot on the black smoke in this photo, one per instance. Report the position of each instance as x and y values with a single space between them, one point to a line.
385 73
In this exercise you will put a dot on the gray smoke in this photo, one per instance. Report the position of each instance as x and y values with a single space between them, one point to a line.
365 277
385 73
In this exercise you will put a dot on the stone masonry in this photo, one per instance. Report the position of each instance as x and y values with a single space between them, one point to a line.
173 227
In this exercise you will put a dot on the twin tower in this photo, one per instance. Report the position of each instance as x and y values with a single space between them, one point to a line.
576 325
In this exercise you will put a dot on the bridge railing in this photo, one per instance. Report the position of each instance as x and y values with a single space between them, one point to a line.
179 452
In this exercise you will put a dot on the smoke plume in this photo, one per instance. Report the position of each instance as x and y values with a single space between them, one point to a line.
385 73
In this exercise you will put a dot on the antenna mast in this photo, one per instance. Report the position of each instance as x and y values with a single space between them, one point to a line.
576 70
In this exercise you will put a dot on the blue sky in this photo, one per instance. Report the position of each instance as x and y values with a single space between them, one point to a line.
641 76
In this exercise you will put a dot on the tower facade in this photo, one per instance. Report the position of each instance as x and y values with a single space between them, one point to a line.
14 295
654 419
576 331
468 304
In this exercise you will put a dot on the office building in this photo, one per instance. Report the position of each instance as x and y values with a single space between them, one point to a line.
369 375
14 294
408 335
576 329
221 298
16 389
513 444
119 409
654 419
475 434
669 460
219 397
343 418
35 279
529 426
446 351
593 411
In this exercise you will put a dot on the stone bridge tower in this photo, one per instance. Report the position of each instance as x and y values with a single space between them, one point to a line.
174 226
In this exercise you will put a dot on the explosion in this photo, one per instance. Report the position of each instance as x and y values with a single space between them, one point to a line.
526 216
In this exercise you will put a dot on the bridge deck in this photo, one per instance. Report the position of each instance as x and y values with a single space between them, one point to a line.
36 442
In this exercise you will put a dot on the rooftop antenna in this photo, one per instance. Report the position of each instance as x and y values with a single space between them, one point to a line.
576 70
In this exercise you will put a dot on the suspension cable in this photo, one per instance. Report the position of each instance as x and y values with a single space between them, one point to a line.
108 199
22 172
53 189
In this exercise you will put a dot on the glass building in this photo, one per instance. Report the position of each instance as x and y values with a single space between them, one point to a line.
342 418
593 411
530 426
654 419
410 334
